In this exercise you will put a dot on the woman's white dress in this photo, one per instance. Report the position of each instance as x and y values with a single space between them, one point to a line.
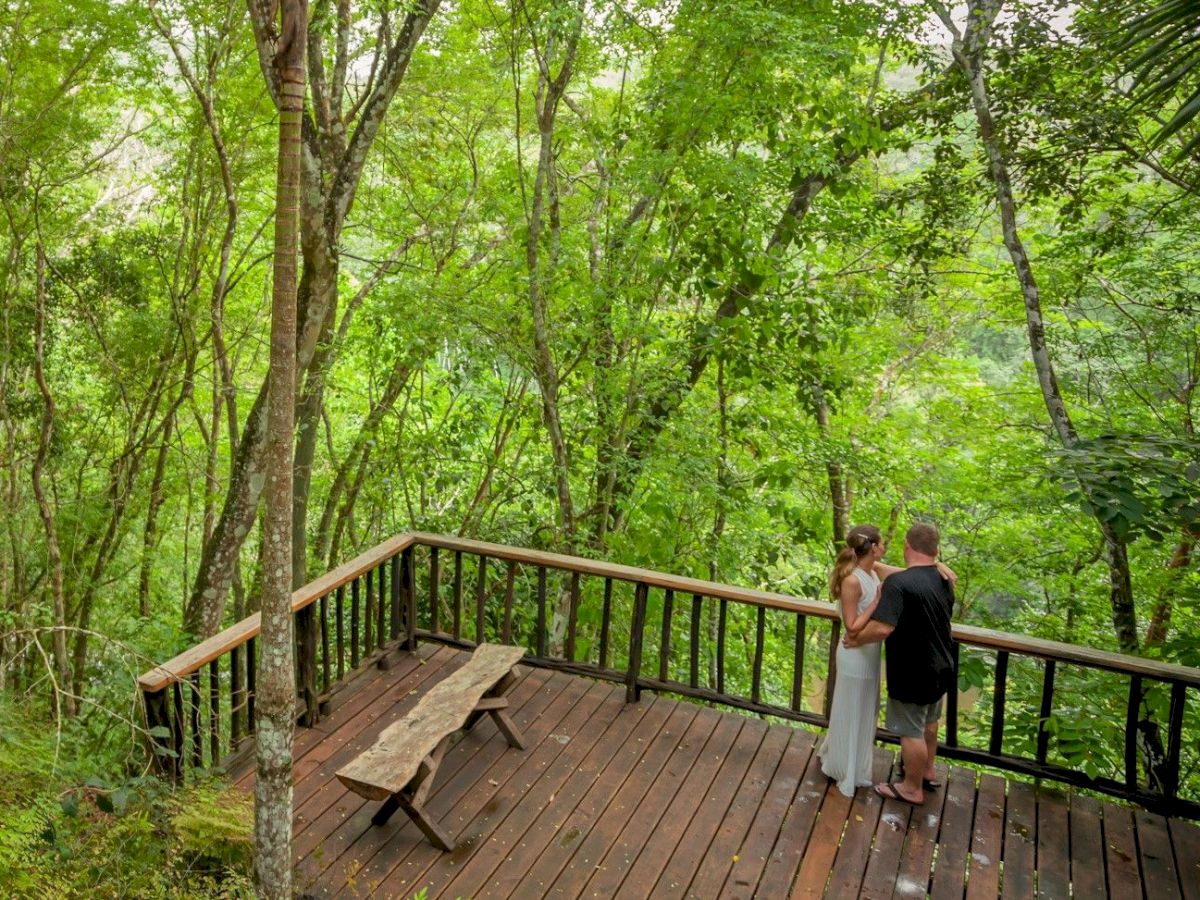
846 752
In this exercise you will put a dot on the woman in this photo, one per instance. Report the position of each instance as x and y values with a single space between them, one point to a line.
854 584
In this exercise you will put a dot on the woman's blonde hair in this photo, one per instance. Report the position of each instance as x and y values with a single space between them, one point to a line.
859 541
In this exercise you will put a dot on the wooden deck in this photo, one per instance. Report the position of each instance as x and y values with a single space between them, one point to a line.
670 799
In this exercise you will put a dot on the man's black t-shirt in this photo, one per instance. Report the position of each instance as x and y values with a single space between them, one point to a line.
920 665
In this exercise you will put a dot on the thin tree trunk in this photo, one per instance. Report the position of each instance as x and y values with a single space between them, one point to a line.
64 701
150 532
724 484
331 170
549 92
839 496
968 54
1160 619
276 693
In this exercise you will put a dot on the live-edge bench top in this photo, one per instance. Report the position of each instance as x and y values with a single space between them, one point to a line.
393 760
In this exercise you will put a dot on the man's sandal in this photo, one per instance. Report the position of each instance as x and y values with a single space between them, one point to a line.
892 792
928 784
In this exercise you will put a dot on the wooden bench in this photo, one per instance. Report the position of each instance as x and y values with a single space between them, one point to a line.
399 768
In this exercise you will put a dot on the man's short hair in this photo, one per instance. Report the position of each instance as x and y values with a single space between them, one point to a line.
923 538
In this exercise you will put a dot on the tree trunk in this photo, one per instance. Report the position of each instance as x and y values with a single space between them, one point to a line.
839 495
150 532
549 92
331 170
1160 619
64 700
968 54
276 701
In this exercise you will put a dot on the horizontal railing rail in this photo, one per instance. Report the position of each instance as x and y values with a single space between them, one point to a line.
627 624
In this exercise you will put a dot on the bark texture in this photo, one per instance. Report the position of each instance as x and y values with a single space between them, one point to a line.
276 693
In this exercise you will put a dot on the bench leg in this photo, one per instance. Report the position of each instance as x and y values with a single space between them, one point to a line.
412 800
508 728
429 828
390 805
499 690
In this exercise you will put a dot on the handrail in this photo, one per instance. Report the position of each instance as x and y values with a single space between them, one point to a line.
367 608
194 658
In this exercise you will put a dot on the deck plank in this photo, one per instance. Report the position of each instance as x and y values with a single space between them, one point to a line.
987 840
1185 838
646 752
1157 856
1020 841
730 841
751 858
795 834
399 865
557 788
732 782
1120 853
1053 845
954 836
883 866
850 865
822 847
665 764
650 823
614 753
1087 848
669 799
347 831
916 859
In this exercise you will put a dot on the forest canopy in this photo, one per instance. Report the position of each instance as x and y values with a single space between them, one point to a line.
693 285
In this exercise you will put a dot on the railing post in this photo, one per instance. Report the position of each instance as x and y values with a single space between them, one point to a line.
435 580
997 740
306 664
1043 739
1131 719
694 641
409 586
952 701
664 646
798 662
197 748
722 615
573 617
251 676
759 643
632 691
158 728
835 638
480 597
177 729
1174 738
540 637
214 710
605 622
237 696
509 596
323 614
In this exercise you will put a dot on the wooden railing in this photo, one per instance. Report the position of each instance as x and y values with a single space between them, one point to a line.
627 625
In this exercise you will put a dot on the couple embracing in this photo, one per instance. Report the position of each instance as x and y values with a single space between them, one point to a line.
909 610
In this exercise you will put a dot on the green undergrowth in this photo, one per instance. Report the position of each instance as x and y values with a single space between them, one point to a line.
78 823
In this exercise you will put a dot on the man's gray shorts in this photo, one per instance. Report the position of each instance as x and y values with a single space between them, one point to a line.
910 719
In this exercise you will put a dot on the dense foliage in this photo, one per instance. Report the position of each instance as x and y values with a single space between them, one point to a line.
687 284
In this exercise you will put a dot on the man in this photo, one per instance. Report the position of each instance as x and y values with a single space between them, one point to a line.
913 618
